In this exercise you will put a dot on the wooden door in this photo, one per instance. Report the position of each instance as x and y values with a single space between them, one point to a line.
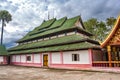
45 60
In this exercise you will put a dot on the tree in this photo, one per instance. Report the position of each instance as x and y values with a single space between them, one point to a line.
91 25
110 22
97 28
5 17
101 31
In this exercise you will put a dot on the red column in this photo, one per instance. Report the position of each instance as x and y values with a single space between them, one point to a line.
61 55
20 58
26 57
15 58
41 59
90 56
33 58
3 59
50 58
109 55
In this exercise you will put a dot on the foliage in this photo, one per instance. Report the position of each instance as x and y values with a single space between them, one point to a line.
110 22
99 28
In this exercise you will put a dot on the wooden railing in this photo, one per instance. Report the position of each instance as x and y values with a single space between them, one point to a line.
105 63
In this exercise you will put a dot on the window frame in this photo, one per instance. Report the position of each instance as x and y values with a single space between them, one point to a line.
28 58
75 57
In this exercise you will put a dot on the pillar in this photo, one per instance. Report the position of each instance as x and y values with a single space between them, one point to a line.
109 55
115 53
114 56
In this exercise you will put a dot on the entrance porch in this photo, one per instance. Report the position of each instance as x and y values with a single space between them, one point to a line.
112 57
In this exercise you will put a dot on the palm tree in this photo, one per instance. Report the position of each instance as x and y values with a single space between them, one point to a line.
5 17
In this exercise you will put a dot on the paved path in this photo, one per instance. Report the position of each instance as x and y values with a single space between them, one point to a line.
106 69
103 69
27 73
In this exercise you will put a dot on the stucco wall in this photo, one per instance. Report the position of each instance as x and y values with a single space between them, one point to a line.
83 57
21 60
64 59
1 58
37 58
13 58
17 58
56 58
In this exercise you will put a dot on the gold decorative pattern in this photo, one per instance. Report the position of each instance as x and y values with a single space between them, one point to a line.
115 38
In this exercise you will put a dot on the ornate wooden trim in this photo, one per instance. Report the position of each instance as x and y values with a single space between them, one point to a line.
114 36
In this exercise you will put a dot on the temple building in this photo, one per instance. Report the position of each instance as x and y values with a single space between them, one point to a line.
112 46
62 43
3 55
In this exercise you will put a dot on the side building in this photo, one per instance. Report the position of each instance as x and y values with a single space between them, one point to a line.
112 46
3 55
62 43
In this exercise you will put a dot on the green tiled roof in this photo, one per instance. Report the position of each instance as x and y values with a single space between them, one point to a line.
59 40
3 50
83 45
68 24
46 24
43 26
56 24
59 22
64 43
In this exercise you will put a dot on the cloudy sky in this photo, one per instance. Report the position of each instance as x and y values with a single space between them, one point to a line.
27 14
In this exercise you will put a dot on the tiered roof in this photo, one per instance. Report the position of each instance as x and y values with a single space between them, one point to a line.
51 28
56 26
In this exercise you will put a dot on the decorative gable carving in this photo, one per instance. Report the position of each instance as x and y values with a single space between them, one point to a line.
116 38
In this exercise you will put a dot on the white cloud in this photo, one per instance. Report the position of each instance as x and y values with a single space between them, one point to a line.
27 14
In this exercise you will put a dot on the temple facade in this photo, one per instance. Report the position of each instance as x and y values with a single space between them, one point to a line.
112 46
62 43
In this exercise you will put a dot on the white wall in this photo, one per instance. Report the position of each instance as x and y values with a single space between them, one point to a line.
37 58
13 58
23 58
83 57
17 58
56 58
1 58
